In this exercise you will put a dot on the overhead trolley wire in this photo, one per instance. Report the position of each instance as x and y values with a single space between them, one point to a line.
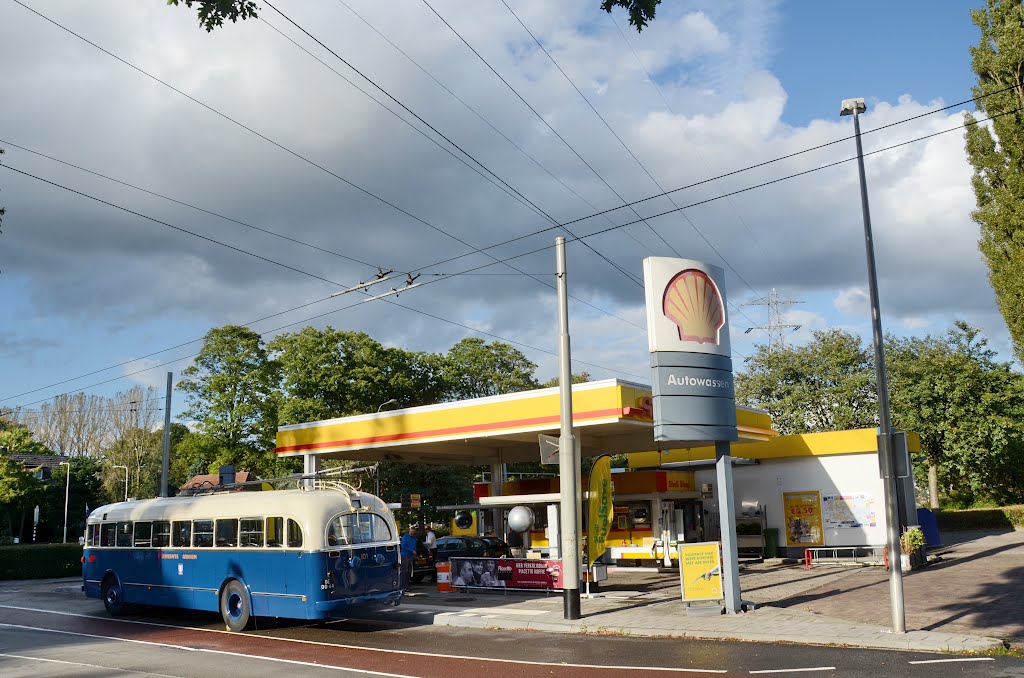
521 237
638 162
446 138
295 153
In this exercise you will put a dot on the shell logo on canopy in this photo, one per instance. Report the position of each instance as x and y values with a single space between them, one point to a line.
691 300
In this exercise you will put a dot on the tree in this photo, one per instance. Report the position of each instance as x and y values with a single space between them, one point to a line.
332 373
998 161
474 369
212 13
827 385
641 12
581 378
232 394
84 490
195 455
967 408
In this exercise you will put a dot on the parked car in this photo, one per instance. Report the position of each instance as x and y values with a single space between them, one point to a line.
423 566
496 547
460 547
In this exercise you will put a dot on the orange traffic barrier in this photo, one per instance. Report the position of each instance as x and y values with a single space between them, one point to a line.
444 577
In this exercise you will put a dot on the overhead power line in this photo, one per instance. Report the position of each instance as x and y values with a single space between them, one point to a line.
506 242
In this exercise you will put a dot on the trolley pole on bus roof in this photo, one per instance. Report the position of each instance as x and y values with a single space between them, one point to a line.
568 464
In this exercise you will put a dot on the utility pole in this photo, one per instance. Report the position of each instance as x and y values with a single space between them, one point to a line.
167 437
775 328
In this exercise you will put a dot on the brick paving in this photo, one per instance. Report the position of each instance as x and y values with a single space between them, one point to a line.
976 586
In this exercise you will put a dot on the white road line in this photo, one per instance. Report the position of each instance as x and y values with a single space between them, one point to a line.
959 659
209 651
350 647
91 666
811 668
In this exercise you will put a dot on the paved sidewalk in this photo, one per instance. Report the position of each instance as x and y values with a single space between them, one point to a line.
654 609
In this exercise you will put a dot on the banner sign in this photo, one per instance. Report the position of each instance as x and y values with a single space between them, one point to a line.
700 571
803 518
506 573
691 357
601 510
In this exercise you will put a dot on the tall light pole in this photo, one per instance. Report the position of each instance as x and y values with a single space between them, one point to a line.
67 488
886 452
125 479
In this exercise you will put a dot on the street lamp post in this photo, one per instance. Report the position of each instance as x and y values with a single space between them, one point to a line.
125 479
387 402
885 447
67 488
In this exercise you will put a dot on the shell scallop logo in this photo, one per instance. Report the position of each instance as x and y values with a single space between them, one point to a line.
691 300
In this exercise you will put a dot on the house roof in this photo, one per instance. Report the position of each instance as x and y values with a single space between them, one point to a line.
213 480
36 460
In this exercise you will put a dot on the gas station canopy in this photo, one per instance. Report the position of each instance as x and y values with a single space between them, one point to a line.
610 417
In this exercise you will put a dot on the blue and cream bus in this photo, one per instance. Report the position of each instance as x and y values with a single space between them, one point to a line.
303 554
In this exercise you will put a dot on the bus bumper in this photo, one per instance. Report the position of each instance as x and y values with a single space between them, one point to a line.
371 600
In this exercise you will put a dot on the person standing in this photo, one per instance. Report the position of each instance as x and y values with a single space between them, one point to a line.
431 543
407 549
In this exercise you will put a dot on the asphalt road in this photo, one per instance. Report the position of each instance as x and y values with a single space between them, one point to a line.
50 629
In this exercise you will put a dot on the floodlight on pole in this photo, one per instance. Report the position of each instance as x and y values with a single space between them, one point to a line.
886 452
125 479
67 488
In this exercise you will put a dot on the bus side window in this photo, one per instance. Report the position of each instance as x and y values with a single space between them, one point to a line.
251 532
124 534
227 532
294 534
182 533
202 533
143 534
161 533
108 534
275 532
92 535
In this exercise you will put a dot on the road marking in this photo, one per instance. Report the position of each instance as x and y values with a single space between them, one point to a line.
58 661
203 649
811 668
344 646
961 659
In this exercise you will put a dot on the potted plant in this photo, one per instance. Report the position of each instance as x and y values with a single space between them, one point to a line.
911 544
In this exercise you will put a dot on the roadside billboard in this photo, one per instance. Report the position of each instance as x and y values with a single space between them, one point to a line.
506 573
700 571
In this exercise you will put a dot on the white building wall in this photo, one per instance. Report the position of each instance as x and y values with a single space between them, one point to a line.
764 484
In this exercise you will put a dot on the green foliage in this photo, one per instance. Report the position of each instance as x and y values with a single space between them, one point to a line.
911 540
213 12
1004 517
232 393
968 409
641 12
474 369
332 373
998 161
85 489
581 378
827 385
437 485
40 561
16 439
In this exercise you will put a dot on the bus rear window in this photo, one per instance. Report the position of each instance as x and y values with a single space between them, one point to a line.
181 533
227 532
202 533
357 528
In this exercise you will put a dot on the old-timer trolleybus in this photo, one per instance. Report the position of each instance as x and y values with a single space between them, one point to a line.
305 553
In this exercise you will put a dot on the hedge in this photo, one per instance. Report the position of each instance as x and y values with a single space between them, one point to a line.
40 561
1003 517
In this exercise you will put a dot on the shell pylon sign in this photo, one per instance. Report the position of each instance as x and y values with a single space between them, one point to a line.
691 357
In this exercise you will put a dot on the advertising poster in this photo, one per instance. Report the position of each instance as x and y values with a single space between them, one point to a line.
501 573
700 571
803 518
856 509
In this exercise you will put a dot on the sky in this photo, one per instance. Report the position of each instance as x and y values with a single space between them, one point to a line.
270 175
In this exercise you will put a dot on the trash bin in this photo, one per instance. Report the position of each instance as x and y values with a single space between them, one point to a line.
771 542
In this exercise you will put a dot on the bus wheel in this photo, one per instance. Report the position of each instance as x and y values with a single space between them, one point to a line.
234 606
113 597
